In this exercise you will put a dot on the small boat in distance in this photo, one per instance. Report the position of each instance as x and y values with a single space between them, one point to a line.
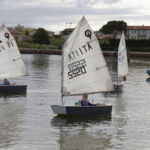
11 62
122 68
148 71
84 71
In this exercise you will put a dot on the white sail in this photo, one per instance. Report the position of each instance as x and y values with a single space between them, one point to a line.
122 57
11 63
84 67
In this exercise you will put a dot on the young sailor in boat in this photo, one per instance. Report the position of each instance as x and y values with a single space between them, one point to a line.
85 102
6 82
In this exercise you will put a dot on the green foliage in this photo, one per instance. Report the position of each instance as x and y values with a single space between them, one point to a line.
138 43
66 31
133 45
41 36
113 27
140 49
110 45
30 44
58 42
107 44
27 32
20 28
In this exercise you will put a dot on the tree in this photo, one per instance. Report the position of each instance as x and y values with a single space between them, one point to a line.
27 32
113 27
41 37
67 31
19 28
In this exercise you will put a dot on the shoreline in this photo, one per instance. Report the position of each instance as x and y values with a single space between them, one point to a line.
59 52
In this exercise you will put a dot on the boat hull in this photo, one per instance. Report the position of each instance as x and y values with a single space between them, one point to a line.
148 71
80 111
12 89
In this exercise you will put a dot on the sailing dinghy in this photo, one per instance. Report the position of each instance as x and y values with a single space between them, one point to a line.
122 69
11 62
84 71
148 71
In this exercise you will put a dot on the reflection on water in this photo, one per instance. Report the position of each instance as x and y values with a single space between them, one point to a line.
40 61
82 133
5 95
10 114
27 121
74 121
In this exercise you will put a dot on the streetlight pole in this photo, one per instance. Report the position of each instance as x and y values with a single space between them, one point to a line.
69 24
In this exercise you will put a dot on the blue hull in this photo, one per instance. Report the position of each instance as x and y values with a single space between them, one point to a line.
12 89
148 71
80 111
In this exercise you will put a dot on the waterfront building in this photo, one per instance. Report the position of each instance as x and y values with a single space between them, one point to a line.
138 32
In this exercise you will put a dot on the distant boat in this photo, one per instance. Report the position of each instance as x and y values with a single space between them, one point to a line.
148 71
84 71
11 62
122 68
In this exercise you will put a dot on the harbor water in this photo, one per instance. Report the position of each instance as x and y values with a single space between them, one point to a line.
28 123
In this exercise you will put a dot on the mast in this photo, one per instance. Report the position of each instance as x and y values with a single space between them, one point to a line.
117 67
62 76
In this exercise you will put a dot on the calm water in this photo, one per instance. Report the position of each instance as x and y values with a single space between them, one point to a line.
28 123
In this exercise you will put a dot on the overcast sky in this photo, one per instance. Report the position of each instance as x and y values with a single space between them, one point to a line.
55 15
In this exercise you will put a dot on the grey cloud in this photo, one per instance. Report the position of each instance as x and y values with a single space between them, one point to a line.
89 3
110 1
85 3
38 15
39 12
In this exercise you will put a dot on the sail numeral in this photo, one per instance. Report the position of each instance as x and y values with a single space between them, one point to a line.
121 55
10 44
2 48
77 68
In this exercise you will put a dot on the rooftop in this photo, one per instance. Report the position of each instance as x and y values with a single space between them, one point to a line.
138 27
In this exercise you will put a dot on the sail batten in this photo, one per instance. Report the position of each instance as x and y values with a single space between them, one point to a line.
84 67
11 62
122 57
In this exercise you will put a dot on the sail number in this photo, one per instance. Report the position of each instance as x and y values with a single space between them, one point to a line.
121 56
77 68
2 48
10 44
